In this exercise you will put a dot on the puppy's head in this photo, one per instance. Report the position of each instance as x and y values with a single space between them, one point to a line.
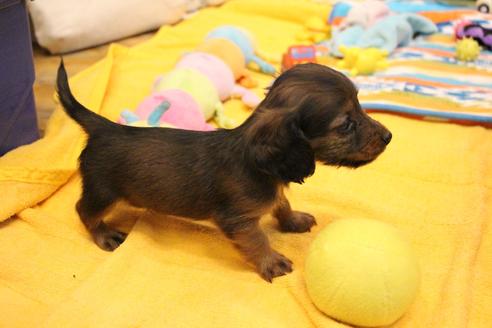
311 112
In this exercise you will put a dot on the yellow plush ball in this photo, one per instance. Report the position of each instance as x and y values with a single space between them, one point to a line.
362 272
467 49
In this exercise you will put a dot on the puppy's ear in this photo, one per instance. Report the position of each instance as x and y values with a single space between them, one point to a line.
277 146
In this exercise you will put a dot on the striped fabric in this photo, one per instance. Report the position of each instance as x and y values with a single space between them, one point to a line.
425 80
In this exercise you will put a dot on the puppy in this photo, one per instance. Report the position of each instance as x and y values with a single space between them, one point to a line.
311 113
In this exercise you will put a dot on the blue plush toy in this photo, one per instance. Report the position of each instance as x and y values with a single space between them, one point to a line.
387 34
244 41
131 118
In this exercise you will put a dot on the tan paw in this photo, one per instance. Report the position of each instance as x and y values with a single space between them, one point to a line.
274 265
108 239
299 222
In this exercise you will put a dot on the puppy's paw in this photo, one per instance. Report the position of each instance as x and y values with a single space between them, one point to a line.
299 222
109 239
274 265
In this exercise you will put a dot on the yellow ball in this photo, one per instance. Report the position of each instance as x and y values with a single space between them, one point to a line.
467 49
362 272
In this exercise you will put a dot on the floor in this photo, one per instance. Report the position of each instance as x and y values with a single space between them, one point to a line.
46 66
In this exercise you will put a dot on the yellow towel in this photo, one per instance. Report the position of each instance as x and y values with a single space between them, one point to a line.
433 183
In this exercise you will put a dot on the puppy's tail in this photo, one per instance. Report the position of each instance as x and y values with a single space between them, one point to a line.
87 119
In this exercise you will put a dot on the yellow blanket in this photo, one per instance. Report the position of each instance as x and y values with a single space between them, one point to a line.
433 183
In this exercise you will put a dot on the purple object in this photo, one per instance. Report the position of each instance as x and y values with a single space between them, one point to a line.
18 123
480 33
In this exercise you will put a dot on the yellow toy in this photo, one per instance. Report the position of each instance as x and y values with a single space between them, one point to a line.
467 49
362 272
363 61
315 30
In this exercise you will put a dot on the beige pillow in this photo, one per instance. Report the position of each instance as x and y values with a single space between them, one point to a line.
197 4
67 25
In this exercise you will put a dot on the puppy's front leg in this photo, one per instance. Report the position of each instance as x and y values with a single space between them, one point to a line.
247 236
291 221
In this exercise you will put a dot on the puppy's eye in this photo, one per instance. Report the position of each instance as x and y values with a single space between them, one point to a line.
347 126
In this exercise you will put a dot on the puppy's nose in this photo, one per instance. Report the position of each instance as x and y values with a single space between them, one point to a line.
387 137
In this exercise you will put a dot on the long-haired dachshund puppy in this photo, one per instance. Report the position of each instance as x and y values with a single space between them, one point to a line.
311 113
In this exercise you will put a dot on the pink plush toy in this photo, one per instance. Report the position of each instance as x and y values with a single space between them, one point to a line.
220 75
192 93
172 106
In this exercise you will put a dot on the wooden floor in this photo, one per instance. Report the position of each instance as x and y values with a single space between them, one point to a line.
46 66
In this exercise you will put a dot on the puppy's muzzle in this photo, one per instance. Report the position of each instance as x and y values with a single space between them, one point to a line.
386 137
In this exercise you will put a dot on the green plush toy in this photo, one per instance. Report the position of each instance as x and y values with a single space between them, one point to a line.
200 88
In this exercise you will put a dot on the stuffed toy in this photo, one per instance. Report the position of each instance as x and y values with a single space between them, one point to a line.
200 88
245 42
365 14
203 78
362 61
387 34
129 118
315 30
172 107
220 75
230 54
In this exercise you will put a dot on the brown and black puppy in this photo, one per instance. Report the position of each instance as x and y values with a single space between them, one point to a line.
311 113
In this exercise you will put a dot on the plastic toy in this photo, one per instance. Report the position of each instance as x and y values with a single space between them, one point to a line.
245 42
315 30
467 49
300 54
174 108
362 61
362 272
484 6
480 33
220 75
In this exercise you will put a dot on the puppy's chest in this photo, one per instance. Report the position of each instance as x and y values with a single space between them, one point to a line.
259 202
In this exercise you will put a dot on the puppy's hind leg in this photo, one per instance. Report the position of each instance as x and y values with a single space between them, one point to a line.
91 208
